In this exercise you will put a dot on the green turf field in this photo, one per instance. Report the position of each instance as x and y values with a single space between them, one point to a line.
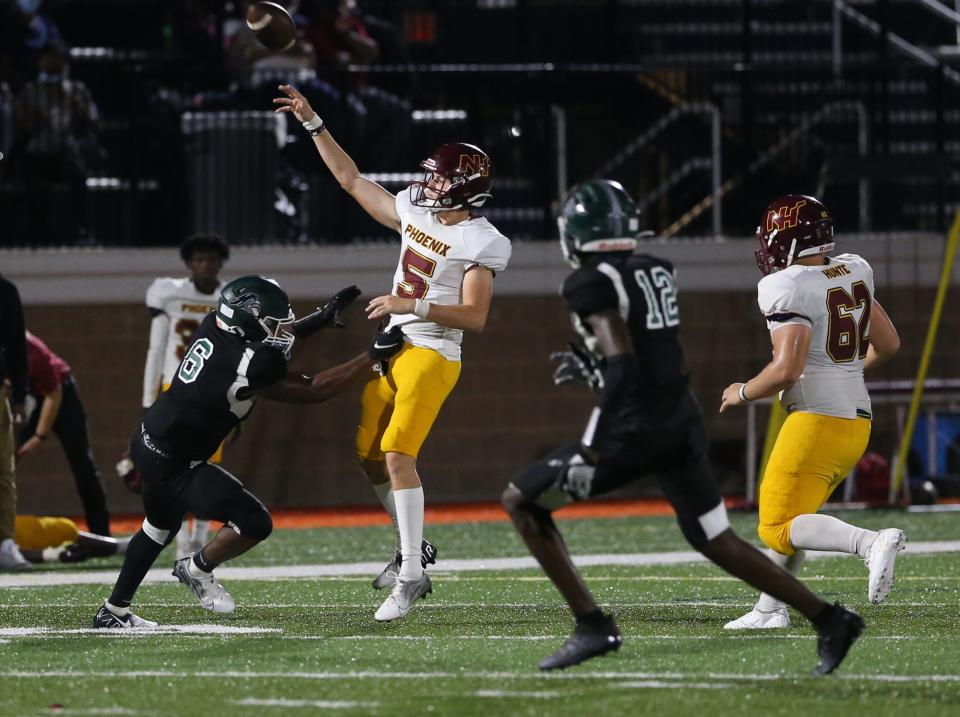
311 646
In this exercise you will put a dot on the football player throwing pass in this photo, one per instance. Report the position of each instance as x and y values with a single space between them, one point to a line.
442 286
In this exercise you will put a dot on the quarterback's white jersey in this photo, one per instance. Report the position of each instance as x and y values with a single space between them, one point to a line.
178 308
433 261
834 300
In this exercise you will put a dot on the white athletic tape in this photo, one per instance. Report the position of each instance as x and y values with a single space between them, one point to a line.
714 521
155 534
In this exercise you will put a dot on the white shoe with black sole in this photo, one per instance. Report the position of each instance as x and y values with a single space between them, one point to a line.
388 576
107 619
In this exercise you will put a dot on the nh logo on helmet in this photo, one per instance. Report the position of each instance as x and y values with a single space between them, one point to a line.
785 217
471 164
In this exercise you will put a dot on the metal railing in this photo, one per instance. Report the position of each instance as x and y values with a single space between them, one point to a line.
906 48
777 149
713 162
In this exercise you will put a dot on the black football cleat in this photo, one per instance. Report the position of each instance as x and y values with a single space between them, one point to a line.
388 576
836 637
587 641
106 619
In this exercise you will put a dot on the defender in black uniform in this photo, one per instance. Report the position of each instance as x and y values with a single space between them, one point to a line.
238 353
624 306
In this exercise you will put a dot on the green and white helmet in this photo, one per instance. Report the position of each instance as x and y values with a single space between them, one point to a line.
597 216
257 309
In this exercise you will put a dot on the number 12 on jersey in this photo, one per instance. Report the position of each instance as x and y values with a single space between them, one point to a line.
660 291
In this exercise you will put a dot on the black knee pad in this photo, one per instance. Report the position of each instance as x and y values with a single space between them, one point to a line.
255 523
546 474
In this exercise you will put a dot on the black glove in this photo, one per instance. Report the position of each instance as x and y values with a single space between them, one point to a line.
326 315
576 365
386 344
578 475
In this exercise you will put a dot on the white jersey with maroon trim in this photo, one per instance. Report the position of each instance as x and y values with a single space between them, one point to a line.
834 300
433 261
184 307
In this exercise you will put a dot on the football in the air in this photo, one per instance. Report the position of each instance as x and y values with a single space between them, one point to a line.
272 25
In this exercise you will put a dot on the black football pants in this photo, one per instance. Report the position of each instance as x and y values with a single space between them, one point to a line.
71 428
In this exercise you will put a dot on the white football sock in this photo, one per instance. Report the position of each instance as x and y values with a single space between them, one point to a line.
384 492
199 531
790 563
118 611
824 532
409 503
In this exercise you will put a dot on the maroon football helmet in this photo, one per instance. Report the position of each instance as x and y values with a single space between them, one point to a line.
792 227
469 171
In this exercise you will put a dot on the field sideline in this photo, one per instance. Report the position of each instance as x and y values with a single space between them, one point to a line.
304 641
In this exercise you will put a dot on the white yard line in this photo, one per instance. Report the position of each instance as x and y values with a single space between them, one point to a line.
288 572
137 631
441 605
536 695
315 704
197 632
475 674
87 711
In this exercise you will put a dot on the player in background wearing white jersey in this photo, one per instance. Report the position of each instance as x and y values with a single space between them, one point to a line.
826 328
177 306
442 286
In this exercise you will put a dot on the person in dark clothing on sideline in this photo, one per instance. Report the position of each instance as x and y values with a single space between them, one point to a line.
59 409
13 392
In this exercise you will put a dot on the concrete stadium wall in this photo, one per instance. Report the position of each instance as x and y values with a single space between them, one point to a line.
504 413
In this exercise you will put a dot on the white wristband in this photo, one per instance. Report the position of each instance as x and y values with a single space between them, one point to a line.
314 124
421 308
741 394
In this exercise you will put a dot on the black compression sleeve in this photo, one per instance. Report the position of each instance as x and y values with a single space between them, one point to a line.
310 324
618 375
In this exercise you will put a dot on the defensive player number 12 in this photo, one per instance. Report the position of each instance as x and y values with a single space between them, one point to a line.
417 268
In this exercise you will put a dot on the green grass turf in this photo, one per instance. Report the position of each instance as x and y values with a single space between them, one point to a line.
472 647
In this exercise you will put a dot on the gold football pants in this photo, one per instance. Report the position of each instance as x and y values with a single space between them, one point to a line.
812 456
36 533
398 410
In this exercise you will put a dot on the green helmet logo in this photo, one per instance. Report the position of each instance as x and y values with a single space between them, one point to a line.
257 309
597 216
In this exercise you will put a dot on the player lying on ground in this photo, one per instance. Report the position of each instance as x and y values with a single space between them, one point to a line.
239 353
624 305
826 328
47 539
443 285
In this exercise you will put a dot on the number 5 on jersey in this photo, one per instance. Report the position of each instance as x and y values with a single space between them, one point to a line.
416 270
192 363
